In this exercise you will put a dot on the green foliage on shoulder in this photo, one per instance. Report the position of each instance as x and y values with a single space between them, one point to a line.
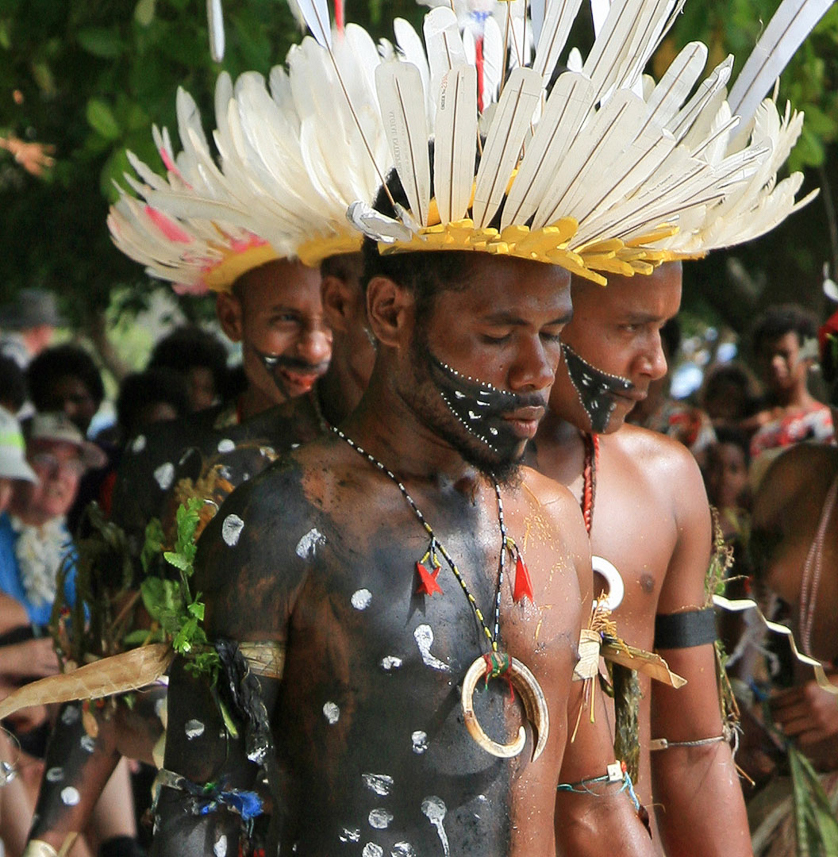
171 603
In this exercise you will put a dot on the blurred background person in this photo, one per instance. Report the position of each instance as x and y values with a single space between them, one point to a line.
784 346
200 357
12 385
28 324
661 413
729 394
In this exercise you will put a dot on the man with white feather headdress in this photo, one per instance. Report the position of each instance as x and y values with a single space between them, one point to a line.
267 238
391 569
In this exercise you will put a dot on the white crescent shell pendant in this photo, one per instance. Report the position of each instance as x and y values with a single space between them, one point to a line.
535 706
616 587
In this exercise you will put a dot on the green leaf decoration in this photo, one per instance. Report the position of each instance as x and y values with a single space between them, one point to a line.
101 119
816 825
102 42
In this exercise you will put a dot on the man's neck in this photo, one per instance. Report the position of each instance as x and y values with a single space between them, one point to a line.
338 391
389 430
794 398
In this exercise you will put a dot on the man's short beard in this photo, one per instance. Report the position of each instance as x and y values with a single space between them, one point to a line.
473 443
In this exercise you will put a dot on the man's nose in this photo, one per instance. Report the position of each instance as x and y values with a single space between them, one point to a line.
535 366
654 360
315 345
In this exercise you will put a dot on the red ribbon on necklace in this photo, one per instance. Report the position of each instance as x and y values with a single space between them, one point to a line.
427 580
523 583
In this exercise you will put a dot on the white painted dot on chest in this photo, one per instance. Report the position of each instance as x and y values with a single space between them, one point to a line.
226 445
70 796
164 475
379 818
424 637
231 530
331 711
193 729
308 544
361 599
138 444
380 784
419 740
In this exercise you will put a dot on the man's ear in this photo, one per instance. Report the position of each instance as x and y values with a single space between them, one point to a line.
338 302
228 309
391 310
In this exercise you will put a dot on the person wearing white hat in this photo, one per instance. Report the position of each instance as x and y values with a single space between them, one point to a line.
13 464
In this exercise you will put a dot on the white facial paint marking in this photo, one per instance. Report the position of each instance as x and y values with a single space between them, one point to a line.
193 729
220 847
380 819
226 445
70 715
420 741
381 784
348 835
231 529
164 475
434 808
391 662
55 775
138 444
307 545
361 599
424 637
88 744
403 849
332 713
372 850
70 796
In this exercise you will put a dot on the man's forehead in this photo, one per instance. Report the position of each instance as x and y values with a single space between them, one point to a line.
640 299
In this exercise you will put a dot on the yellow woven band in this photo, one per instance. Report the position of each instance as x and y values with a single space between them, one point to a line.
312 252
549 245
235 263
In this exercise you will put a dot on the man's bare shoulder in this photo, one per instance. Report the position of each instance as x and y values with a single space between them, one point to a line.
545 490
794 468
654 451
554 503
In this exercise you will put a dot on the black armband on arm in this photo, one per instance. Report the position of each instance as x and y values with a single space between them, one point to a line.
685 630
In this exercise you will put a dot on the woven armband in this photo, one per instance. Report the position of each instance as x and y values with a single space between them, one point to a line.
685 630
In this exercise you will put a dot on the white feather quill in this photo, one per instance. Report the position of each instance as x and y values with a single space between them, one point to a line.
792 22
568 105
402 101
559 18
444 45
511 123
215 22
455 142
316 15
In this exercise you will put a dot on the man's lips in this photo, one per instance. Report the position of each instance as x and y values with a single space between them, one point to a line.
524 421
303 380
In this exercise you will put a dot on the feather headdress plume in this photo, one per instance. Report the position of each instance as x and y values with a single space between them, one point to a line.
291 154
598 170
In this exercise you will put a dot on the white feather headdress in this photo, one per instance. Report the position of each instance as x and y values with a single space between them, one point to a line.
291 155
598 170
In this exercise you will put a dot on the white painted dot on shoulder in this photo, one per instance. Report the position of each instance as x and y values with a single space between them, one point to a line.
361 599
231 530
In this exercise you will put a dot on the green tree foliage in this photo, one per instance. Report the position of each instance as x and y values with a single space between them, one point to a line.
95 74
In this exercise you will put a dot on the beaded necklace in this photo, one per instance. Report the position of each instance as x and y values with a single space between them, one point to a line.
428 567
494 664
